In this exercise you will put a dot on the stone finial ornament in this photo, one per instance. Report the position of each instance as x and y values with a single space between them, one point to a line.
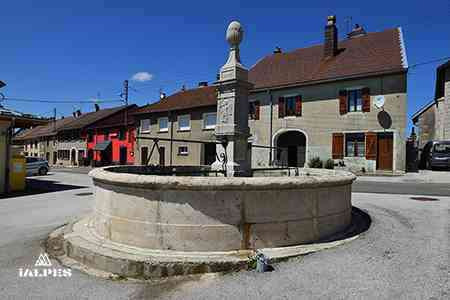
235 34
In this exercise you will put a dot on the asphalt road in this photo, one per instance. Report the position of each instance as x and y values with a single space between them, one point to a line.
411 188
404 255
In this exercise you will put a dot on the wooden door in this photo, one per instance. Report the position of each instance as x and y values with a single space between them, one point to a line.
162 156
385 151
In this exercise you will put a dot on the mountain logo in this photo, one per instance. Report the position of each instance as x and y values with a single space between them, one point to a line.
43 261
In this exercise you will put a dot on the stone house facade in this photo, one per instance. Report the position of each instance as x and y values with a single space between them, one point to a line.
433 120
192 116
310 102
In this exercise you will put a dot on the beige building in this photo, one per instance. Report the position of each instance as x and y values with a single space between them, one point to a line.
343 100
433 120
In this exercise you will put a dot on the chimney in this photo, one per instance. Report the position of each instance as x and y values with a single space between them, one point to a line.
277 50
203 83
356 32
183 88
162 95
330 46
78 112
97 107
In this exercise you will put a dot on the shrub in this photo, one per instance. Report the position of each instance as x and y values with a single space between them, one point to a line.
315 162
329 164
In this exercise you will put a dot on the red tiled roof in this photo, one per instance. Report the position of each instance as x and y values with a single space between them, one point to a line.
44 130
203 96
373 53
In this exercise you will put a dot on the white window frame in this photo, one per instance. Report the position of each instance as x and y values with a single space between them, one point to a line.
183 153
149 125
209 127
184 128
159 124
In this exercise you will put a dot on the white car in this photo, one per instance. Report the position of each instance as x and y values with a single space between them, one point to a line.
36 166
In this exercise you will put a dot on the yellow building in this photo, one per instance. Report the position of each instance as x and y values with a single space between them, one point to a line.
10 121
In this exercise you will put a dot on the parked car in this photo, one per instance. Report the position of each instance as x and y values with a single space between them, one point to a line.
437 154
36 166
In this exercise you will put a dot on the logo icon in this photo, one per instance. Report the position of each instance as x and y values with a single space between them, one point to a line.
43 261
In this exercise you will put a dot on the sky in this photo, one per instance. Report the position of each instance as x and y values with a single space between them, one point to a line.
84 50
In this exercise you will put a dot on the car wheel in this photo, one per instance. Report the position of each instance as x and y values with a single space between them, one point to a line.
43 171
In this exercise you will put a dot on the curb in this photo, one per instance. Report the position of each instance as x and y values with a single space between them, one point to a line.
75 246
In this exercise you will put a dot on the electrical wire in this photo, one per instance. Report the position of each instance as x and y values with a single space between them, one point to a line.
60 101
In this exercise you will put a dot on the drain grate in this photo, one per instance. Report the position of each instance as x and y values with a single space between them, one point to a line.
424 199
83 194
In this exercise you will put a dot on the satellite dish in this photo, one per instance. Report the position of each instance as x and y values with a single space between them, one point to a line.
379 101
384 119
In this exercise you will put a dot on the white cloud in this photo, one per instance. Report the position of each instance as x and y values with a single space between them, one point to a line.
142 76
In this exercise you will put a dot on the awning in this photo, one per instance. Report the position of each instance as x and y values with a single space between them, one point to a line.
102 146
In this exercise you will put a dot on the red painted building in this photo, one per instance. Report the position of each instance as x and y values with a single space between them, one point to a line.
110 141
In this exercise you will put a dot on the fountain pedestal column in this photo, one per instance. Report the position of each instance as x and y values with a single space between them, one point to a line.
232 110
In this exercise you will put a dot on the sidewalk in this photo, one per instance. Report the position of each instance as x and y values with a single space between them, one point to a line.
424 176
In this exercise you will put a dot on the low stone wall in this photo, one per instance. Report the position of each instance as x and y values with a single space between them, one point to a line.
220 214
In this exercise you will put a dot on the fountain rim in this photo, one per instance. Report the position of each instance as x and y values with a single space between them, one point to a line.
317 178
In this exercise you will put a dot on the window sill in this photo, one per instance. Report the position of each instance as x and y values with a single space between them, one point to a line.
184 129
209 128
290 117
163 131
183 154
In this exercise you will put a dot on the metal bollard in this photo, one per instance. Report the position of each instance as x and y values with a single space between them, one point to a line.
262 263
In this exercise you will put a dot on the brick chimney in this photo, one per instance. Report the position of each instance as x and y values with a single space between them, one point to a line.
330 46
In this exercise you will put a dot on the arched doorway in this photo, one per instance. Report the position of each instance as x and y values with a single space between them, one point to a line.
291 149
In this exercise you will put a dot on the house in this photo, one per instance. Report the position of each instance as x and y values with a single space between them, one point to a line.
310 102
188 114
10 121
41 141
111 140
433 119
64 141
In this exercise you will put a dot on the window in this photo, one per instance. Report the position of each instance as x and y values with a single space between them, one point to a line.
145 125
209 120
90 137
64 154
355 145
253 110
184 122
442 148
122 134
163 124
354 98
290 106
183 150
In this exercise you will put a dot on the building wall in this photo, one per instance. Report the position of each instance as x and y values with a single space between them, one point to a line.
116 144
70 141
197 132
446 106
3 146
321 118
428 126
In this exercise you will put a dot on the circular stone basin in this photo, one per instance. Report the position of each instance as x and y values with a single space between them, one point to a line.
141 206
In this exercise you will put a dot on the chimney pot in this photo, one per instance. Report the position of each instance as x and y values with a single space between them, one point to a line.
277 50
203 83
97 107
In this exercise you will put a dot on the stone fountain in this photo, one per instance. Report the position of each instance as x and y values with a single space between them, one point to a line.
145 224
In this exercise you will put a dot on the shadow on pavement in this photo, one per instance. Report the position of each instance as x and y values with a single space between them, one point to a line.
361 222
36 186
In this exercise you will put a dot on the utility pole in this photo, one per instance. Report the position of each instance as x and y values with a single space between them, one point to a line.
125 97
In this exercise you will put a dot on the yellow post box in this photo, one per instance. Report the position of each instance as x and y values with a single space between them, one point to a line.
17 173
